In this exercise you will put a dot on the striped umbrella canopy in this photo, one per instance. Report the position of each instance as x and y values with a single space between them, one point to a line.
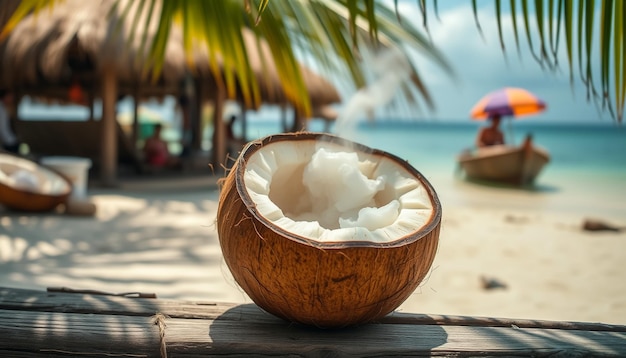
507 101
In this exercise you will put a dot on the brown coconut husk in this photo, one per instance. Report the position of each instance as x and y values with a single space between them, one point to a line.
332 284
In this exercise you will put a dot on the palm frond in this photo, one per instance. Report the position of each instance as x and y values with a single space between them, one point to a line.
25 8
605 35
592 33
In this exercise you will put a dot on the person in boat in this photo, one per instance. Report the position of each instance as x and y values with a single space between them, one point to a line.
156 152
490 135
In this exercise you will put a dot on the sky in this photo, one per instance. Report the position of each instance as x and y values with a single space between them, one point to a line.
480 68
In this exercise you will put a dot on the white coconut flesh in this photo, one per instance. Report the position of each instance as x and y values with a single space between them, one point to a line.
28 176
325 192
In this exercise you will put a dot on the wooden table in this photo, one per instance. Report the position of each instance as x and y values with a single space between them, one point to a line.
60 324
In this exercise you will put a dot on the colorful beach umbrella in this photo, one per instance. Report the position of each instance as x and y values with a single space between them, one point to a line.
508 101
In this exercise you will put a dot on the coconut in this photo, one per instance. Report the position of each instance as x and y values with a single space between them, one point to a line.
29 186
323 231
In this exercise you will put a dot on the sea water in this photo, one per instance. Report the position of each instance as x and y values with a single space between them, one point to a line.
574 148
587 166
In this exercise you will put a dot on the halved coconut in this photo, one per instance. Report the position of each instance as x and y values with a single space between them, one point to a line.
28 186
326 232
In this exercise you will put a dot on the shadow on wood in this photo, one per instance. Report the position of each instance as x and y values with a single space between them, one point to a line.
247 330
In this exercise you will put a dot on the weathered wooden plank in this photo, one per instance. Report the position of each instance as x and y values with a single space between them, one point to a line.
19 299
241 338
35 323
248 337
411 318
45 333
49 333
31 300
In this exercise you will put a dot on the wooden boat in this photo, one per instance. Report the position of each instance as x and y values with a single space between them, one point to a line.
505 164
28 186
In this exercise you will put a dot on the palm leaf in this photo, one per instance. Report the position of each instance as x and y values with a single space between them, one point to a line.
619 60
25 8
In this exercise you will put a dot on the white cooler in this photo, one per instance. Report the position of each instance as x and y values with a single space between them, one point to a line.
75 169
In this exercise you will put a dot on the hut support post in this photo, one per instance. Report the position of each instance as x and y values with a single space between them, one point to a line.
135 131
283 117
92 101
108 160
219 133
196 115
91 111
299 122
244 121
18 96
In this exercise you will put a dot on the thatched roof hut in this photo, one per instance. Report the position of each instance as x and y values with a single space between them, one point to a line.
88 43
75 40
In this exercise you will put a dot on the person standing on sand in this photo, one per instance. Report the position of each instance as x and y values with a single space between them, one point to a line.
490 135
8 139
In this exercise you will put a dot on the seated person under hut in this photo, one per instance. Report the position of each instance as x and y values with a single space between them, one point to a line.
156 152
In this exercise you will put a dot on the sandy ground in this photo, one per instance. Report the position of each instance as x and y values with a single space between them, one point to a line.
161 238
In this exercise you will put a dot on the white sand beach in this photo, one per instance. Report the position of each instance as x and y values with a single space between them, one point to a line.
160 237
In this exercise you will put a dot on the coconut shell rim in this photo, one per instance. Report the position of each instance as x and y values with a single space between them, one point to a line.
253 146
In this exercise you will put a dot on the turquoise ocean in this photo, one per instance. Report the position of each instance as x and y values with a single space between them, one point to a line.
587 171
